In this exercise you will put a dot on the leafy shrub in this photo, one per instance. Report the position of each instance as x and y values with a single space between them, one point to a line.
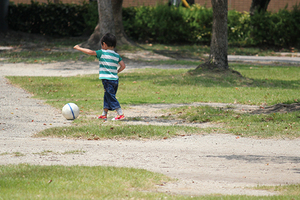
279 29
91 17
49 19
161 23
199 20
238 27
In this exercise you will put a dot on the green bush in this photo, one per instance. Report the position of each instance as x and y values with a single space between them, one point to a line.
238 27
164 24
199 20
161 23
91 17
276 29
48 19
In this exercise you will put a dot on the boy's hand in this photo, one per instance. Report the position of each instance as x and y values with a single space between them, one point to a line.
85 50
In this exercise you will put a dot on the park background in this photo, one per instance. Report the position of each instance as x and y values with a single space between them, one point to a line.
142 22
238 5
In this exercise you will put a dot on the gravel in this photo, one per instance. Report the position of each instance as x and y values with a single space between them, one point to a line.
202 164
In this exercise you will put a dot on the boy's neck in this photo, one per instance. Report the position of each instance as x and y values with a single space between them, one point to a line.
108 48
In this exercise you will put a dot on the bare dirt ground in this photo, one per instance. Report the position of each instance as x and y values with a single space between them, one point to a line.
202 164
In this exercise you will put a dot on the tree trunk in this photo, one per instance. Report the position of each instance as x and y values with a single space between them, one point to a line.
119 29
259 5
106 17
110 20
219 45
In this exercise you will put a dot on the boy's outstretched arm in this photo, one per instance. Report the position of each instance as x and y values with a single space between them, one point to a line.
85 50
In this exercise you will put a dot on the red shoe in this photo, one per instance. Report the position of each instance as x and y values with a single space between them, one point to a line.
102 117
119 117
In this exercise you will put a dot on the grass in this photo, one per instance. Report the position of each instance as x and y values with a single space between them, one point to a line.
275 125
91 130
78 182
44 56
196 51
283 189
277 85
59 50
266 85
25 181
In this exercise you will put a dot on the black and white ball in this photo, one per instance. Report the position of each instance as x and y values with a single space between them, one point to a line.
70 111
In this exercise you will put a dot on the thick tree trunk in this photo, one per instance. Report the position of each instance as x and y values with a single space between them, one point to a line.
219 45
119 29
106 17
110 20
259 5
219 40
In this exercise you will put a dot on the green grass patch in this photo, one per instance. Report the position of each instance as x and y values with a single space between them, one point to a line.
267 85
193 51
92 129
82 182
293 189
275 125
59 50
44 56
15 154
78 182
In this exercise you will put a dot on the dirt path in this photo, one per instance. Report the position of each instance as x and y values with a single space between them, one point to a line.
203 164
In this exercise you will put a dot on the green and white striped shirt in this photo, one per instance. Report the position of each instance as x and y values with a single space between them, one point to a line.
108 64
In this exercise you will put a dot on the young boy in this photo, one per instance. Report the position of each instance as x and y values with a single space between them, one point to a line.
108 73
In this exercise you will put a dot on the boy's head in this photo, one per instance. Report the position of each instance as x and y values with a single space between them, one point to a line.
109 39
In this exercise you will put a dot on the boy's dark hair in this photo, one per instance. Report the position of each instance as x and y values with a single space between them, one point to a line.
109 39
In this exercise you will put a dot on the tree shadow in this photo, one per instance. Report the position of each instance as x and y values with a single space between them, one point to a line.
261 158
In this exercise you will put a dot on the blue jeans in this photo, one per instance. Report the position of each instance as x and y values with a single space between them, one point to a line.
110 90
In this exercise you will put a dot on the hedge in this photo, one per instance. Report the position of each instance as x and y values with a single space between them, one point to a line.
48 19
161 23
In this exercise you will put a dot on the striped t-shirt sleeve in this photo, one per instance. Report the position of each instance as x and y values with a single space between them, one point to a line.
108 64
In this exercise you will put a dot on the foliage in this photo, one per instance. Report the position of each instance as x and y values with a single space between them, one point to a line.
48 19
91 17
161 23
146 24
279 29
199 20
238 27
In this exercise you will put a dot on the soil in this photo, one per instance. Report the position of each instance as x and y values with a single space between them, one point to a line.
200 164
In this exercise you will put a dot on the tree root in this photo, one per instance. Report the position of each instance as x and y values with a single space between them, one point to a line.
213 68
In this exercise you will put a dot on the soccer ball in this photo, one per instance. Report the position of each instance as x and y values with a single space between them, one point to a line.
70 111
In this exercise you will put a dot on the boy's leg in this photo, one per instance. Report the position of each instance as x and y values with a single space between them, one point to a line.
105 111
110 100
106 106
119 111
